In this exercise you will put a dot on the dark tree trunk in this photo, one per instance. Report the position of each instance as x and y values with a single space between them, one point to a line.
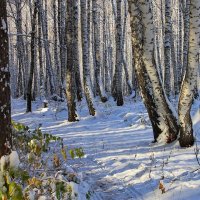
70 74
30 81
5 102
118 68
77 52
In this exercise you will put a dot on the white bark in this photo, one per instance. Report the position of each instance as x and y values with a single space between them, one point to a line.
189 82
97 51
166 119
186 19
46 46
86 68
167 47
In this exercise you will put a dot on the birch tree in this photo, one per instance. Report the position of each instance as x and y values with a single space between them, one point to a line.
86 68
62 41
77 50
117 82
5 101
157 102
33 54
56 55
128 82
167 47
40 56
161 114
189 83
70 73
157 40
20 50
49 68
97 51
180 46
186 21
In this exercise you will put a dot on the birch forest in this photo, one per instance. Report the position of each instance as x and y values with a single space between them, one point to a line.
84 79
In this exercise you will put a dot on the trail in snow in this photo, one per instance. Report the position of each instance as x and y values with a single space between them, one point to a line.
121 163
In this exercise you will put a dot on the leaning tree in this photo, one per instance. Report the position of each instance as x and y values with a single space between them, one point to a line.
164 122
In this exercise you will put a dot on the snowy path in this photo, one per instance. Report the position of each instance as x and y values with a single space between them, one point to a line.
120 162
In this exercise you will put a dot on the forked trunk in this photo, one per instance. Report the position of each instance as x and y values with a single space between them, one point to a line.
163 119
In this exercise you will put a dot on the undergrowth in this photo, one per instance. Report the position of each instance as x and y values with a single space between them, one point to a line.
37 167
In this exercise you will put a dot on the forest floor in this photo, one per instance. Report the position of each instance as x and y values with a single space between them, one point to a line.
120 162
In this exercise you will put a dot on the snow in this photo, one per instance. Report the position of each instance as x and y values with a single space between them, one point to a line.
14 159
11 160
120 162
4 162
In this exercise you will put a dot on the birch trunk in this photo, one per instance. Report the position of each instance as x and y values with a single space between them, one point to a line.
40 56
97 51
85 50
46 46
189 83
20 51
35 83
70 74
160 113
118 68
105 49
157 48
56 56
186 19
62 41
76 51
167 47
140 72
108 57
110 49
174 65
180 47
32 68
89 27
124 61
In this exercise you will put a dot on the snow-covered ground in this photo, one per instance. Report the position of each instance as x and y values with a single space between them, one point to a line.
120 163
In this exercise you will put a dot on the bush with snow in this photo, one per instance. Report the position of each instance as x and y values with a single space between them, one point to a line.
43 172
